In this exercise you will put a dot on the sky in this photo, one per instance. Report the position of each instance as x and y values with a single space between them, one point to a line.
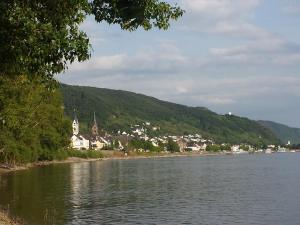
239 56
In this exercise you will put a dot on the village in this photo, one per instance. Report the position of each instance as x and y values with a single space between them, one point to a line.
138 139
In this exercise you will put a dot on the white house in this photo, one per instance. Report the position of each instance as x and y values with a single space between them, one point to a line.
79 142
98 143
195 147
203 147
235 148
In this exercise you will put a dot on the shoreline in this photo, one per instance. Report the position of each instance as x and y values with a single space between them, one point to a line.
109 155
12 168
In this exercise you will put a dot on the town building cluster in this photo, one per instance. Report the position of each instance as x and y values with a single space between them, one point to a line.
99 140
87 141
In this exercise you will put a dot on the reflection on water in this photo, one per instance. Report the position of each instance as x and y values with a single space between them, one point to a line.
258 189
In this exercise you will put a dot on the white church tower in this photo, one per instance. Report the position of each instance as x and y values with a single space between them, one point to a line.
75 125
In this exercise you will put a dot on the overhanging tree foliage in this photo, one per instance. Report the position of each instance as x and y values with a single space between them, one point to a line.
43 36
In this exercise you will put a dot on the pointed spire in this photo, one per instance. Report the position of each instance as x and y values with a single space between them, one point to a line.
95 122
95 126
75 116
75 124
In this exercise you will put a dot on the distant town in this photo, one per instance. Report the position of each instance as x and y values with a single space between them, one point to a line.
139 140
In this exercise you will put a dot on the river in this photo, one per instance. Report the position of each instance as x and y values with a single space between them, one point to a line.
212 190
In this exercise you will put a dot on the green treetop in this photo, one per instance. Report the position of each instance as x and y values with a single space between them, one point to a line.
172 146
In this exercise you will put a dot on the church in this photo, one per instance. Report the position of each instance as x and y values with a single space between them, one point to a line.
78 141
85 142
96 141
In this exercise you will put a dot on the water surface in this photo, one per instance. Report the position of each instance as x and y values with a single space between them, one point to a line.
243 190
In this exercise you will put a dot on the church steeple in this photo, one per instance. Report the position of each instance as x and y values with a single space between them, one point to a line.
75 124
95 126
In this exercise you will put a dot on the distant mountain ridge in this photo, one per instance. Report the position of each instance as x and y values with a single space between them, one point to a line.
283 132
118 110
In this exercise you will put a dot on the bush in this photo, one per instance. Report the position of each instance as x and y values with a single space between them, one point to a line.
17 153
145 145
172 146
213 148
61 154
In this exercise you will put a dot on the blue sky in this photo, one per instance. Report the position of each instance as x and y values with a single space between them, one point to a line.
239 56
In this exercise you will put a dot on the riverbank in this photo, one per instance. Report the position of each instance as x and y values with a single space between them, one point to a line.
107 155
4 168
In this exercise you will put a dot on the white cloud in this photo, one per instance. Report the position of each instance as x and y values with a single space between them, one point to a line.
267 50
220 8
238 29
213 100
287 59
164 58
103 63
221 16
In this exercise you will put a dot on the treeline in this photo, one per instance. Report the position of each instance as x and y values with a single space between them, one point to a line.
217 148
32 122
224 147
136 144
295 146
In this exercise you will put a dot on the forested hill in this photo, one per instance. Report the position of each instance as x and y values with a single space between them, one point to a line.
285 133
117 110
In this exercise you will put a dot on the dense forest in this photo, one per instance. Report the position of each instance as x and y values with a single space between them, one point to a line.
118 110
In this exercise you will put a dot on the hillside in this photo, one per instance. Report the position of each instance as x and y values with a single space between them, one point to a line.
117 109
283 132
